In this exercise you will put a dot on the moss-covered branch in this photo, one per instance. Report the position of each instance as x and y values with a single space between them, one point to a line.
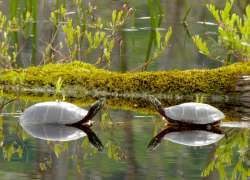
216 81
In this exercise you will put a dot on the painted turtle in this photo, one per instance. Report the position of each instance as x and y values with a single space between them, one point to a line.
60 113
190 113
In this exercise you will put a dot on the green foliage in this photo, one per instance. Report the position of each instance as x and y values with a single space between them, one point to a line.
161 42
106 121
86 30
233 36
224 157
46 164
11 150
155 10
157 43
7 58
84 33
59 84
20 24
202 46
59 148
114 151
117 20
58 88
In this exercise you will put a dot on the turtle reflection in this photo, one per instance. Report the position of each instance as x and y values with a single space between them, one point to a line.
58 132
187 136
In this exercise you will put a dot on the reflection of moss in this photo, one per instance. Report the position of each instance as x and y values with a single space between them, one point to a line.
138 105
219 81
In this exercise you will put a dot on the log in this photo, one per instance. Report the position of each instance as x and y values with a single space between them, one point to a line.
229 84
232 79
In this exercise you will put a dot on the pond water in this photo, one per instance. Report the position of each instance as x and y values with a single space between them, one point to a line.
135 35
125 136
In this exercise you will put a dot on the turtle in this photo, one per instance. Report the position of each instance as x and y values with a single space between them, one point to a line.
186 136
190 113
60 132
65 113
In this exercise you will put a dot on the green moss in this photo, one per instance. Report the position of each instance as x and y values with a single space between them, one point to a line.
216 81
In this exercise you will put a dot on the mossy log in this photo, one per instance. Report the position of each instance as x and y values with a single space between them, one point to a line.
223 80
127 90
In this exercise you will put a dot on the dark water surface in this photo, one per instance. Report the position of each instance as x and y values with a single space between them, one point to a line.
125 136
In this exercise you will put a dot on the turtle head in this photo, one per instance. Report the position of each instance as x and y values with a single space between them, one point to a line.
155 102
96 106
157 105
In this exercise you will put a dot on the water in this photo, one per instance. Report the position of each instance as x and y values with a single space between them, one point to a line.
135 35
125 136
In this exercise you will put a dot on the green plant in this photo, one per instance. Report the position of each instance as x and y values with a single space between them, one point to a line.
20 24
86 35
157 42
7 58
233 40
106 120
161 43
233 150
59 88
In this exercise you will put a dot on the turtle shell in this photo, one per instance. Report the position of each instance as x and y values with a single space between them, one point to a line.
52 113
193 137
53 132
194 113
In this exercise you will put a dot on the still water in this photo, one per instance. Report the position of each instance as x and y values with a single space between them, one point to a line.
135 35
125 136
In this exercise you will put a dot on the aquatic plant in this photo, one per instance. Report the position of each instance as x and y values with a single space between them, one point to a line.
84 33
157 42
9 148
233 40
21 24
58 88
7 58
88 34
232 150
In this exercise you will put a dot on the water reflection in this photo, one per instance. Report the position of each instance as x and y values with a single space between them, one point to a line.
186 136
231 153
57 132
124 135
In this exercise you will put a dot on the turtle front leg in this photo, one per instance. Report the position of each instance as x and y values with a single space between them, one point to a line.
85 124
88 123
